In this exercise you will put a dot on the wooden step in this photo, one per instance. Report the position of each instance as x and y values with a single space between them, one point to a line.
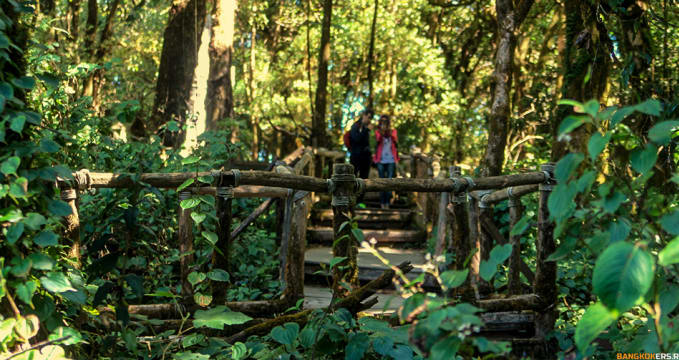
325 235
368 218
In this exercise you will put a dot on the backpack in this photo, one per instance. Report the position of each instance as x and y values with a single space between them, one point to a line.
347 140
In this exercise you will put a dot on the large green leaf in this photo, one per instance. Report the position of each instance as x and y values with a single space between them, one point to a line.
670 222
571 123
285 334
622 275
649 107
218 317
24 82
46 238
561 200
59 208
670 254
642 160
661 133
357 346
56 282
500 253
14 232
565 167
445 349
10 166
218 275
196 277
454 278
564 249
595 320
597 144
189 203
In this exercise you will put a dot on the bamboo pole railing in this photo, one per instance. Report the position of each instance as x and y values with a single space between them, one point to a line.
292 187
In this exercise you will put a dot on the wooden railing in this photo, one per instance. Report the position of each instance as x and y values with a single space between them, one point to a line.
470 222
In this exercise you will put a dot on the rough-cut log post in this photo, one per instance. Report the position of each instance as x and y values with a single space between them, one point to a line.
285 235
545 271
280 219
185 239
72 224
294 270
442 227
460 245
485 214
224 219
475 242
515 212
344 245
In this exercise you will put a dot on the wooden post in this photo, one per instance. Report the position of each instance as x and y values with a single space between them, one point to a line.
344 245
224 219
185 239
285 235
514 278
441 227
459 227
545 271
485 214
294 269
72 224
475 242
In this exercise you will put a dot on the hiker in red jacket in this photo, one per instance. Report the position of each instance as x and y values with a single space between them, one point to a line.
386 156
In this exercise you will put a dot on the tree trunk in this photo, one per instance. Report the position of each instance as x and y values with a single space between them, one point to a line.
371 56
251 86
318 137
219 101
178 60
508 21
72 17
586 56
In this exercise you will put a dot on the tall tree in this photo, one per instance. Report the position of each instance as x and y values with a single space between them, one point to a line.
178 60
219 100
585 63
318 136
371 56
509 19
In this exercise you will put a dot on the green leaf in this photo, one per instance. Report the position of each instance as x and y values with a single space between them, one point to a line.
10 166
14 232
218 317
189 203
307 337
185 184
401 352
595 320
649 107
520 226
190 160
34 220
192 339
501 253
196 277
670 254
239 351
136 283
24 82
357 346
561 200
661 133
42 261
6 90
4 41
573 103
210 237
565 167
622 275
586 181
25 291
202 299
591 108
21 267
454 278
619 230
46 238
487 269
597 144
571 123
620 115
613 202
669 298
336 260
17 123
218 275
59 208
56 282
565 248
445 349
49 146
358 235
383 345
285 334
643 160
198 217
18 187
670 222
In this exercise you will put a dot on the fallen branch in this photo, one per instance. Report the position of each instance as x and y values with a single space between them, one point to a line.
353 303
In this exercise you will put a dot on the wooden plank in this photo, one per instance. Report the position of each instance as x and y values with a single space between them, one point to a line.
325 235
246 191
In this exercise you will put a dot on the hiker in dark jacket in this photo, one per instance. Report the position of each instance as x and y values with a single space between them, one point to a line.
361 156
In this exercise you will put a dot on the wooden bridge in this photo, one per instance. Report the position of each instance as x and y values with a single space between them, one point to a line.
313 214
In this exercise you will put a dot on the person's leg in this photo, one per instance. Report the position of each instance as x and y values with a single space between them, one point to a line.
390 170
382 169
365 166
353 160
